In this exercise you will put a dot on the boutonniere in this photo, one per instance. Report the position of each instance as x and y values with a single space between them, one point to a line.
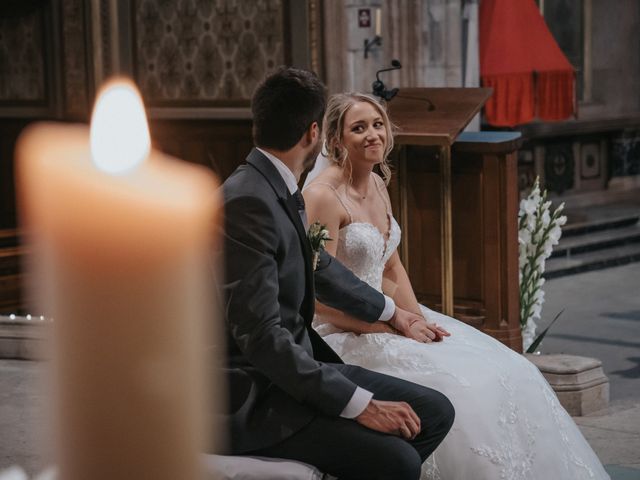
318 237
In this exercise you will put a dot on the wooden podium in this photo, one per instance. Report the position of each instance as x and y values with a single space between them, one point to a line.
456 198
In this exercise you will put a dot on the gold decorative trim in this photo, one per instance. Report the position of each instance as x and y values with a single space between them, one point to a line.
446 231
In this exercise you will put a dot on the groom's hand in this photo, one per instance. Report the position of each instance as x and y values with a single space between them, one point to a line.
412 326
395 418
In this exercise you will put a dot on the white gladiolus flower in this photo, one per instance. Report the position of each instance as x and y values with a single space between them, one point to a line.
530 206
539 230
522 260
554 234
524 238
546 218
537 308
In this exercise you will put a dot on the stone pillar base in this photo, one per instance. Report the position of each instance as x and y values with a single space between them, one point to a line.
579 382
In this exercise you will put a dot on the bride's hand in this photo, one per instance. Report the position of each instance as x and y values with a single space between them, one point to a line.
438 331
412 326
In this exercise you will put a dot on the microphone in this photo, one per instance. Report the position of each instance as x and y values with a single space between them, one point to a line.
379 89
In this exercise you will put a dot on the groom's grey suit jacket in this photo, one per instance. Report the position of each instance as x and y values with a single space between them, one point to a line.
278 376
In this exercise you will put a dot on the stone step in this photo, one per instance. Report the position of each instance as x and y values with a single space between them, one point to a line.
605 222
597 240
23 338
592 260
598 235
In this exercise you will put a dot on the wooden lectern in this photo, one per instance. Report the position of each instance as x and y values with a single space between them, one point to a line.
456 198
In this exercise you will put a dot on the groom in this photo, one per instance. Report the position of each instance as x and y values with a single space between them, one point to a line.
290 395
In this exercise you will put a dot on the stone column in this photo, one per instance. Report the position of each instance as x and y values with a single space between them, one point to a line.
442 36
471 54
346 67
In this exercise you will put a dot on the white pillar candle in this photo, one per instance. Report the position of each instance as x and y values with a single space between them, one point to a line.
120 238
378 22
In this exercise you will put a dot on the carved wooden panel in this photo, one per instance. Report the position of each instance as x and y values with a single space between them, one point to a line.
221 145
28 39
484 227
422 231
76 61
22 53
9 131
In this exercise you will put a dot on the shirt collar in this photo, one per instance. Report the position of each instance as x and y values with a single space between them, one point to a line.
286 174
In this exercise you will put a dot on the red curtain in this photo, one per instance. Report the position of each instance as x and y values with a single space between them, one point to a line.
521 61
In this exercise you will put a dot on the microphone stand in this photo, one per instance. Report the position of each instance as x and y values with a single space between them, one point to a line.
379 89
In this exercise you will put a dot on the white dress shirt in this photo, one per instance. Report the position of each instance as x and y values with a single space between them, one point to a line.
361 397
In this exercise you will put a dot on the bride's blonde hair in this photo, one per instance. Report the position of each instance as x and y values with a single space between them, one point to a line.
333 125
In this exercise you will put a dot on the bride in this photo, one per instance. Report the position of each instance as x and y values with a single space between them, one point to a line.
509 423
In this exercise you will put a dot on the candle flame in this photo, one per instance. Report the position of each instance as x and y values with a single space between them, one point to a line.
120 138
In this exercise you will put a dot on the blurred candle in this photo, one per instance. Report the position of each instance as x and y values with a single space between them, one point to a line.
120 237
378 22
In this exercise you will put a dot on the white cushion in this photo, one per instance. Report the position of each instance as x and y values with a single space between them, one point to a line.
257 468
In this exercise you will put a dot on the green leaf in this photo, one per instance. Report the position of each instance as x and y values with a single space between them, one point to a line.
532 348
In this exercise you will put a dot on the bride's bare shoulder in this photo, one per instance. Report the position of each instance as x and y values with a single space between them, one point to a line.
321 192
324 191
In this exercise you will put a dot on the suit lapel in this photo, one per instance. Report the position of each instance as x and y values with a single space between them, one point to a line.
271 174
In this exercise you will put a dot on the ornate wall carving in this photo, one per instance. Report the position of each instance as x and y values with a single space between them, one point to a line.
204 52
625 153
22 55
559 166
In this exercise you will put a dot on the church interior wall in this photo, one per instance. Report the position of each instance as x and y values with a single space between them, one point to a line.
599 150
198 62
616 71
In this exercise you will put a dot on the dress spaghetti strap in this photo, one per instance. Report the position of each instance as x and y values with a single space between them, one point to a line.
379 186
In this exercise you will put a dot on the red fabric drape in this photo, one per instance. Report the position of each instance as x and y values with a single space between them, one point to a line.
521 61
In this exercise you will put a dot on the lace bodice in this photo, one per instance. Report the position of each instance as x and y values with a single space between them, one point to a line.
362 247
365 250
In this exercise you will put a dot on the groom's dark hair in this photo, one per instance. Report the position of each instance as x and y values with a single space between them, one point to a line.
285 105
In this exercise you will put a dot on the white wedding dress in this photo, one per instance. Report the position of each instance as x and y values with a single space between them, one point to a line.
509 423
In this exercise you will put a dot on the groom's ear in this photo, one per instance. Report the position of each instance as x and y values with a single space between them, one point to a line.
312 134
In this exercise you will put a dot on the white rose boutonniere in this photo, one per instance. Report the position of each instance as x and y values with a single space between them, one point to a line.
318 237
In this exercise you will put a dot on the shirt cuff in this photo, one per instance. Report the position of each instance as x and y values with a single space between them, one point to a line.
357 404
389 309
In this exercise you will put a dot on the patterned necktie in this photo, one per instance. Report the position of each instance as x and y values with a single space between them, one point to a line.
297 196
